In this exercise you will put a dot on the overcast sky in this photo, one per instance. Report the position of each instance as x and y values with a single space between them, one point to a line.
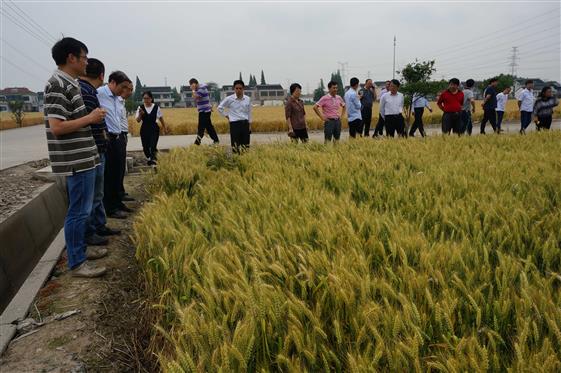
290 41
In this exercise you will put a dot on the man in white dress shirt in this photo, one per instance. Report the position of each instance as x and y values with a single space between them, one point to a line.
391 107
239 116
526 105
502 99
379 130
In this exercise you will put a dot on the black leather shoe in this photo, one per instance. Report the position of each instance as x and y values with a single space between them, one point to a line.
124 208
106 231
95 240
128 199
118 214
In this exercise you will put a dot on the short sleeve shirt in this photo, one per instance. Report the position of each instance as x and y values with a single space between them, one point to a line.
76 151
330 106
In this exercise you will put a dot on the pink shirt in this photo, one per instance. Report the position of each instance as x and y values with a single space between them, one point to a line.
330 106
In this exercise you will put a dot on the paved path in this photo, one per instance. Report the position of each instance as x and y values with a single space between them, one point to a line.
27 144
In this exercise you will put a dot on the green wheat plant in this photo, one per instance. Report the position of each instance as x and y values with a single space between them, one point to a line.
441 254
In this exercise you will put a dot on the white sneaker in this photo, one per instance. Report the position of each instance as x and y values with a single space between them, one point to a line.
86 269
93 253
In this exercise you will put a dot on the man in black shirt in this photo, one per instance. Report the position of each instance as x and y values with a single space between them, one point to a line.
489 105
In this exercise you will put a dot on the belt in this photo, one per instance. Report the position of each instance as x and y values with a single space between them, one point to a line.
113 135
333 118
239 121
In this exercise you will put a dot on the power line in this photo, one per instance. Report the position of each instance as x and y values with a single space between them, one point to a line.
24 27
470 56
493 35
22 70
13 6
25 55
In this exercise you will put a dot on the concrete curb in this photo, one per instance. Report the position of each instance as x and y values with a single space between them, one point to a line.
22 301
26 234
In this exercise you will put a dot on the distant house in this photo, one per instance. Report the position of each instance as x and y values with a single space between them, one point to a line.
163 96
263 94
187 97
538 85
29 98
3 103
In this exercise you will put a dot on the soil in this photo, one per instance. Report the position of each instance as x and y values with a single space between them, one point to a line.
110 332
17 186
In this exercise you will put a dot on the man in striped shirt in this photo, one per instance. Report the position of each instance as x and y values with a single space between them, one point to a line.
204 107
72 150
96 226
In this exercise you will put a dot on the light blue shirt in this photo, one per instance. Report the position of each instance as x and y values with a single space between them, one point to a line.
352 102
124 119
110 102
420 101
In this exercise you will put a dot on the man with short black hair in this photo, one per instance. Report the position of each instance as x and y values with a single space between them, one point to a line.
526 105
468 107
489 104
109 99
391 108
96 226
329 114
418 104
296 115
239 116
204 107
379 130
73 151
352 103
124 140
451 102
367 97
502 99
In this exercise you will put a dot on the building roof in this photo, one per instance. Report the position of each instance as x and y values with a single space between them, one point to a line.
259 87
158 89
16 91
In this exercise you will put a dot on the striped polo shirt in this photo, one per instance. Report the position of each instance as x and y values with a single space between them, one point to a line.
76 151
203 101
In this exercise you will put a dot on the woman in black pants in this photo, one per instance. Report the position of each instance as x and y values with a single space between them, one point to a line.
543 108
148 114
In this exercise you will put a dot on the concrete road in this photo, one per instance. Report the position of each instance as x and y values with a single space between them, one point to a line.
27 144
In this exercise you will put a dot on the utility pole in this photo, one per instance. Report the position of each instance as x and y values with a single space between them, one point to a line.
343 66
165 81
368 75
393 70
513 60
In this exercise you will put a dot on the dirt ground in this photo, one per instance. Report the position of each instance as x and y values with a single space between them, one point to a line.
110 332
17 186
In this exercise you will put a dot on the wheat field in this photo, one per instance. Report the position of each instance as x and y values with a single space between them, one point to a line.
434 255
271 118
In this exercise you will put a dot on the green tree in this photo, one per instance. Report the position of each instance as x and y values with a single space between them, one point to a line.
336 77
131 105
416 80
137 96
505 80
263 78
175 94
16 109
319 91
214 91
252 80
240 78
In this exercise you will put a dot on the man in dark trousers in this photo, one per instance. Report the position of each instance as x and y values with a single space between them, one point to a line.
379 130
127 92
489 105
367 97
204 107
89 83
451 102
238 113
108 97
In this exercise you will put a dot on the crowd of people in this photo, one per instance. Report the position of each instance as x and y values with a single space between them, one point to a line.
87 131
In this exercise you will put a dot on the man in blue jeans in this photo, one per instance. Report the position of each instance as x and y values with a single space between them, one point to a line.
96 227
72 150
